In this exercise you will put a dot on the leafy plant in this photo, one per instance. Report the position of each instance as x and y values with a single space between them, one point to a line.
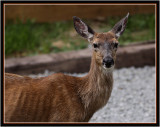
30 38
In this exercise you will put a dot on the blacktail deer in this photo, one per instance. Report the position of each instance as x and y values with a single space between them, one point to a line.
63 98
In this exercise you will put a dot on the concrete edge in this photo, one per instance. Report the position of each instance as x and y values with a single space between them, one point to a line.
136 55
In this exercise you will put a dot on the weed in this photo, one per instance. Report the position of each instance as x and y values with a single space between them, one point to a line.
30 38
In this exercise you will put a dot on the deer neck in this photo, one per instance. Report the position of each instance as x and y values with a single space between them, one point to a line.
97 87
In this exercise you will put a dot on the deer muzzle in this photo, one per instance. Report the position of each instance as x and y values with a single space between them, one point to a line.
108 62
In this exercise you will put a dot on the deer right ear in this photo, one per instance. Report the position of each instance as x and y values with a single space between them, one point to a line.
119 28
83 29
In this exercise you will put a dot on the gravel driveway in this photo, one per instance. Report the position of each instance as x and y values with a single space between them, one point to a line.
132 99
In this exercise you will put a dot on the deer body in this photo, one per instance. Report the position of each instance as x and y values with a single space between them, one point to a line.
59 97
56 98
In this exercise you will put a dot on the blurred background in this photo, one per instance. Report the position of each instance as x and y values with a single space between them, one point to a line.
39 29
33 30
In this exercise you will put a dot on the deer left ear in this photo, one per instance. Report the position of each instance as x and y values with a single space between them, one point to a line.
119 27
83 29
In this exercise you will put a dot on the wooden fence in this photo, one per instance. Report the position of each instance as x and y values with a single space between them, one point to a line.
51 13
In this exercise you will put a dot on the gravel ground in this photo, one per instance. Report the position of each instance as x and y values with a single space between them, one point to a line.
132 99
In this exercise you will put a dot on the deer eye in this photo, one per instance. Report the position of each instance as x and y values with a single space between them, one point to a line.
95 45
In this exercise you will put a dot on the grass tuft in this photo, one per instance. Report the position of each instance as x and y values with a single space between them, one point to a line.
31 38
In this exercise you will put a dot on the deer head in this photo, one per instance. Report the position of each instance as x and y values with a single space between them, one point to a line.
104 44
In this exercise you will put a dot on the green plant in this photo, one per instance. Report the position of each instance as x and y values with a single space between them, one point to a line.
30 38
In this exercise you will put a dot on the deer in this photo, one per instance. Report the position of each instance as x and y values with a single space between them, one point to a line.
63 98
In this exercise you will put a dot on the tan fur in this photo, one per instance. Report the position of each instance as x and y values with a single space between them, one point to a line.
59 97
102 38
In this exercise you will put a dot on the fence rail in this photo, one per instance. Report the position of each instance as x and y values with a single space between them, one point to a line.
51 13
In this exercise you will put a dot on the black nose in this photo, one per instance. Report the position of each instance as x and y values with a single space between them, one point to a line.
108 62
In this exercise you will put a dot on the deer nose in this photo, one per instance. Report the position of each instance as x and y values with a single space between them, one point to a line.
108 62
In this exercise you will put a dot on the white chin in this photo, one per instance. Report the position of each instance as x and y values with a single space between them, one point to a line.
108 69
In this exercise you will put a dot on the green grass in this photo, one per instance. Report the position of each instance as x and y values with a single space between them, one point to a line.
30 38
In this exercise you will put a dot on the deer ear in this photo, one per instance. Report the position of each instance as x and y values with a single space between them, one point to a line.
83 29
119 27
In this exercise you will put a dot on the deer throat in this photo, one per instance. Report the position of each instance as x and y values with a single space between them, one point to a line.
97 89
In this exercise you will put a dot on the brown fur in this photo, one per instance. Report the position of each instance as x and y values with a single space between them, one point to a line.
58 97
63 98
102 38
